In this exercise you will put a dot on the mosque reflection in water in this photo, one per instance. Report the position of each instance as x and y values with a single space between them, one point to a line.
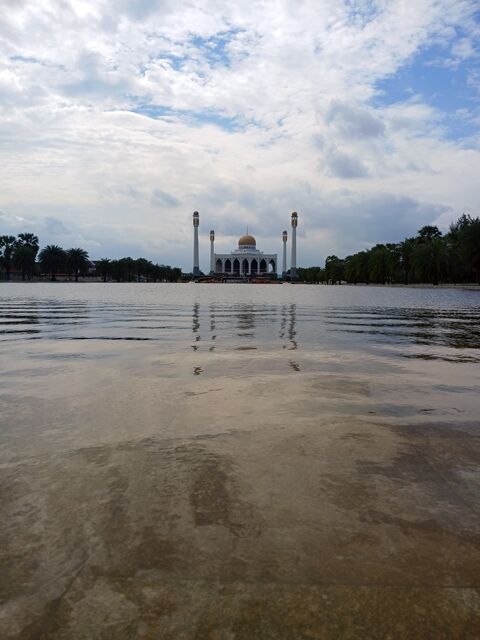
218 327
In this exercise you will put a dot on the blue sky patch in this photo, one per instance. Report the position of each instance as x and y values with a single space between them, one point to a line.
440 81
215 48
197 118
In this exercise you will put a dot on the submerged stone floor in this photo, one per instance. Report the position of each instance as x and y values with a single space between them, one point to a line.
236 509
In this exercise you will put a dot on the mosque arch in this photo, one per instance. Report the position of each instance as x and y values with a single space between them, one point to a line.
243 262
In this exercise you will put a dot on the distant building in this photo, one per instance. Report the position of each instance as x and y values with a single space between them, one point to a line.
247 260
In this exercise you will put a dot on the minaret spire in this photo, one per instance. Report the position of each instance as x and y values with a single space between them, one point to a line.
196 262
284 238
212 252
293 264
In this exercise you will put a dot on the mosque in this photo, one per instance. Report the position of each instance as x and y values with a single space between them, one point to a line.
246 261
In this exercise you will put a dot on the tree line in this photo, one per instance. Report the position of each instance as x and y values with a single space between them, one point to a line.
129 270
23 254
429 257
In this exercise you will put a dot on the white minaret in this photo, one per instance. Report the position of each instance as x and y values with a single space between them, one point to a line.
212 252
196 263
293 265
285 238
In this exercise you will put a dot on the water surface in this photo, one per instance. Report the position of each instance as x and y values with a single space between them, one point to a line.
307 456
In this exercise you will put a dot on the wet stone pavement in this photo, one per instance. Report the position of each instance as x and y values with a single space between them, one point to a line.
240 470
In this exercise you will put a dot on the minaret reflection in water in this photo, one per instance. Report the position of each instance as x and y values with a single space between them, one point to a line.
242 321
292 324
212 325
289 330
196 325
197 370
283 324
288 327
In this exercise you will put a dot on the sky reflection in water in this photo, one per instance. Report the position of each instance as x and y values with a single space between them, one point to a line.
286 318
266 435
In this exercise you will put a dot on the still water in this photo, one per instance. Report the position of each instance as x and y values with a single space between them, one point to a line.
239 461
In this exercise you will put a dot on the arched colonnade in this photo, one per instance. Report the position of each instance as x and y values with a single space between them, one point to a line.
245 266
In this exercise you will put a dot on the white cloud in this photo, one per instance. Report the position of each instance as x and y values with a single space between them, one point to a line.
119 119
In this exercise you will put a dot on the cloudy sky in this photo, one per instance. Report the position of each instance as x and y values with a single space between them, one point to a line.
119 119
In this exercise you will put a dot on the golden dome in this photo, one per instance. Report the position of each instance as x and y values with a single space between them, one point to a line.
247 241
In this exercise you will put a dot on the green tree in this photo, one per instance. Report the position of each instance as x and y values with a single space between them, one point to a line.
176 274
334 269
144 269
429 257
406 248
7 248
312 275
104 268
393 262
429 232
77 262
456 227
25 253
430 260
362 267
351 268
469 240
356 268
378 264
52 260
123 269
127 268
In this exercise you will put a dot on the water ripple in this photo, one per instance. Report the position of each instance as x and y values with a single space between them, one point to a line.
286 325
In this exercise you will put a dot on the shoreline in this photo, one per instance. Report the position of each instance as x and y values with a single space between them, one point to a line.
465 286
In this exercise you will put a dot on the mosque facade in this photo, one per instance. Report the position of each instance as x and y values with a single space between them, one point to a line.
246 260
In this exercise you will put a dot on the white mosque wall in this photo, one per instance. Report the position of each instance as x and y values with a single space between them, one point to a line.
246 263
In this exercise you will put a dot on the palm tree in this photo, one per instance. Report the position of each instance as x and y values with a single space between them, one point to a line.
7 247
377 263
77 262
26 250
356 268
28 239
430 260
52 259
128 265
407 248
122 269
470 246
393 261
103 267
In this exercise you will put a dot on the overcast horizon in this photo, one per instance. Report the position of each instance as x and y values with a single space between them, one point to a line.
118 120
